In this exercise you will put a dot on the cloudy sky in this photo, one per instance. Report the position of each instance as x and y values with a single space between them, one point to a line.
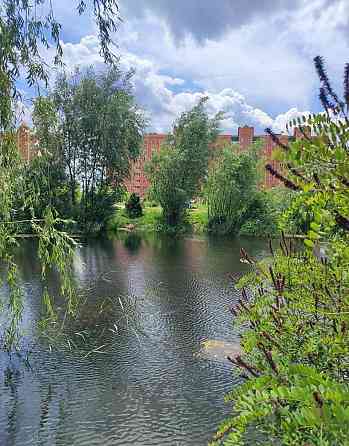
253 58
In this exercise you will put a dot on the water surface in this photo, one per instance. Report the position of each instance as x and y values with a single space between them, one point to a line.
148 384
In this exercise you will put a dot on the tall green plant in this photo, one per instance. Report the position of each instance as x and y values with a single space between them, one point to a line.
232 189
177 172
294 308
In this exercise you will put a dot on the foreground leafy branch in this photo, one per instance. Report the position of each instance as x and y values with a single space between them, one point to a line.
24 33
294 308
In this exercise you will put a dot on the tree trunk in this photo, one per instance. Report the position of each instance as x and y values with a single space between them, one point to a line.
173 217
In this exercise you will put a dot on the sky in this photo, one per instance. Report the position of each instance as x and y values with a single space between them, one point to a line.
252 58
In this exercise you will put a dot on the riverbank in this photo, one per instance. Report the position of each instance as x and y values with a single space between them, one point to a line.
195 223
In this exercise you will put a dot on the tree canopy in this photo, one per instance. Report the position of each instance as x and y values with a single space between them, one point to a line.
97 130
177 172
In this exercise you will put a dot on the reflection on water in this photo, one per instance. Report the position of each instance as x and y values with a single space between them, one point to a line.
148 385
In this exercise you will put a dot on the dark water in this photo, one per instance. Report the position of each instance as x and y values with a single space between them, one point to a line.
147 385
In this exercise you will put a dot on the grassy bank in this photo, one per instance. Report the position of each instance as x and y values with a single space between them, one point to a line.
197 219
147 222
196 222
150 221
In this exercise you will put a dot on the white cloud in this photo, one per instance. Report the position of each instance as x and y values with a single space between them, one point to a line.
155 93
23 111
279 123
84 53
259 60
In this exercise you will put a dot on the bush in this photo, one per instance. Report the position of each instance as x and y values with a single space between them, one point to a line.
294 306
265 213
231 189
133 206
150 204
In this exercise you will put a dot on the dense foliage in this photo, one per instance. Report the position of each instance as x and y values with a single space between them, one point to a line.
24 32
294 309
178 170
268 214
231 189
93 128
236 202
133 206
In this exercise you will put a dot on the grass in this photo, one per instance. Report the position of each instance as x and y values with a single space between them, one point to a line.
148 221
198 219
151 219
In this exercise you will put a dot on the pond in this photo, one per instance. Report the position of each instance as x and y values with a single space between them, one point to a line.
148 383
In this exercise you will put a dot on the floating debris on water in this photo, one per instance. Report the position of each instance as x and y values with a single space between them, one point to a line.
217 350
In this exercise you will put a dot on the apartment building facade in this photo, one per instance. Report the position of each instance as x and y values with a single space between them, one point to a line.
139 183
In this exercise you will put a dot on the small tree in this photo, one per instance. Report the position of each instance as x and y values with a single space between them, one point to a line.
232 189
133 206
177 172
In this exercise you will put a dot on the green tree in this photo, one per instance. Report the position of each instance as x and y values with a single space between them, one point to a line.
45 175
177 172
232 189
294 307
97 132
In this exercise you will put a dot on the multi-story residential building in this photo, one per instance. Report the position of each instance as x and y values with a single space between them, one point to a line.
139 183
26 142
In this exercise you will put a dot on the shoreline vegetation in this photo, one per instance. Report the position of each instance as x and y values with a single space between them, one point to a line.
151 221
196 222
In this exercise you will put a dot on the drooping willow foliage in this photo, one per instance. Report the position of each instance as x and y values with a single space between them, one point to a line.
294 307
23 32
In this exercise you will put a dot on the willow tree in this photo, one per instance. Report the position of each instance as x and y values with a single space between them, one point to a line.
231 188
177 172
97 134
23 35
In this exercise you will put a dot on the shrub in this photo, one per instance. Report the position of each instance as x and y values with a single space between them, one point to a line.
266 212
231 189
294 308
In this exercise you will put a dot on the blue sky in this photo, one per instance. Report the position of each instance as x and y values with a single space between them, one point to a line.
253 58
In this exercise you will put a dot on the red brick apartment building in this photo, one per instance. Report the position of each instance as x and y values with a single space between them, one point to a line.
26 142
138 182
